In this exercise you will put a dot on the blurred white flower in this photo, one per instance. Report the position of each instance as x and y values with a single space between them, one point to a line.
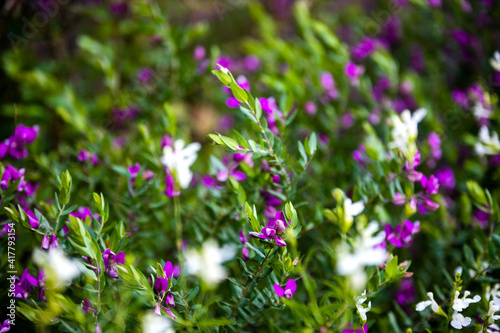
207 263
423 305
152 323
405 132
459 321
352 209
365 252
495 61
491 312
179 159
481 112
487 145
57 267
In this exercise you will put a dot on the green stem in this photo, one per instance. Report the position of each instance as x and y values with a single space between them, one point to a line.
250 283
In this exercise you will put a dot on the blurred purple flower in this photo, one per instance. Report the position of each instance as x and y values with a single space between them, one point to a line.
364 48
251 63
110 260
145 75
402 234
49 242
22 287
199 53
446 178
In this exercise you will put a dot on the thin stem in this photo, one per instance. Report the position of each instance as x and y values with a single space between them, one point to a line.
271 151
178 226
250 283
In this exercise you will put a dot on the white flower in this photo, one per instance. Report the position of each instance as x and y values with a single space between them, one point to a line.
459 321
459 304
405 131
487 145
207 264
491 312
366 252
152 323
362 310
493 329
495 61
352 209
481 112
423 305
179 159
223 69
58 268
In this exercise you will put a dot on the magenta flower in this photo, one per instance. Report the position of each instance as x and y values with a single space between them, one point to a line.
134 170
161 284
23 285
289 290
147 175
111 260
310 108
82 213
402 235
199 53
364 49
33 220
406 292
364 329
251 63
170 270
446 178
170 300
243 238
430 185
83 155
87 306
15 144
399 199
353 72
273 230
49 242
170 190
166 141
145 75
5 326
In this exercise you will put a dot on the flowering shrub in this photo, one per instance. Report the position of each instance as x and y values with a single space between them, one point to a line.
333 169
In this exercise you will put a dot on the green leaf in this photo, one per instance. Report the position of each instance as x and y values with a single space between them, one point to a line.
223 77
238 92
258 109
476 192
313 143
391 269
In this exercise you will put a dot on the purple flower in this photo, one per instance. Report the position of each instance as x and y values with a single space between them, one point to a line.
364 48
327 81
481 218
24 134
406 292
245 253
166 141
83 155
199 53
170 189
427 205
94 159
289 291
251 63
110 261
170 300
161 284
49 242
243 238
134 170
446 178
33 220
5 326
145 75
435 3
353 72
120 8
23 285
364 329
460 97
430 185
310 108
402 235
87 306
171 270
225 62
435 144
399 199
147 175
82 213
